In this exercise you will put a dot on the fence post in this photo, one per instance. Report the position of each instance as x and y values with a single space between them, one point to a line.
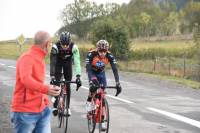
154 66
184 67
169 67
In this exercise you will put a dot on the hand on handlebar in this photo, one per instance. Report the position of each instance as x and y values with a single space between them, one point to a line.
119 89
78 82
53 80
53 90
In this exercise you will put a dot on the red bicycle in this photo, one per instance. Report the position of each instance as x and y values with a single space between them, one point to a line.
101 112
63 105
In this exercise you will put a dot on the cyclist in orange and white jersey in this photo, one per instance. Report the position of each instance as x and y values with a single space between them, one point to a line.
96 61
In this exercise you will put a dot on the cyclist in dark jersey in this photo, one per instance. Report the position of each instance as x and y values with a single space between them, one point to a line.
96 61
63 54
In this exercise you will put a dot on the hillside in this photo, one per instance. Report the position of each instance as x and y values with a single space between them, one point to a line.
179 3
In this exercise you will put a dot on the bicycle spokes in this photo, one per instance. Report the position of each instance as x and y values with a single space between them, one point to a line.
91 121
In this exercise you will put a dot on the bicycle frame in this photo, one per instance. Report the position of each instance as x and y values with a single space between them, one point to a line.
99 104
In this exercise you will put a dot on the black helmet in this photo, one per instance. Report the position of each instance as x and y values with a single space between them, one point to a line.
65 38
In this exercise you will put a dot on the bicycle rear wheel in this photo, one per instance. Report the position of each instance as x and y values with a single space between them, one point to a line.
105 117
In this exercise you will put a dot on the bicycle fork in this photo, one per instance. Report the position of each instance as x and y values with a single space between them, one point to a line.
99 110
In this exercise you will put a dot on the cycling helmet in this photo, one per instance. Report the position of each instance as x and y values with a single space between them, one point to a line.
102 45
65 38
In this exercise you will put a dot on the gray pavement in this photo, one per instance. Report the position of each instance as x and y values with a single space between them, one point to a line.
147 105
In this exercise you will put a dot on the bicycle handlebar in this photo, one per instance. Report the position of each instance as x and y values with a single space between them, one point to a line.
111 87
66 82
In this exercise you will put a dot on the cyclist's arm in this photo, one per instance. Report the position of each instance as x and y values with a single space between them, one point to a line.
26 77
53 59
88 62
76 56
113 64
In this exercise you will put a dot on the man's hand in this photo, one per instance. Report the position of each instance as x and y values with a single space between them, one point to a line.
119 88
53 90
78 82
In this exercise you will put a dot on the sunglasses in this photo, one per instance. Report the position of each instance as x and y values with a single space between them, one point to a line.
102 51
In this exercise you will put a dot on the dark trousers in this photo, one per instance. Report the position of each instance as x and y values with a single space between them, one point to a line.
66 67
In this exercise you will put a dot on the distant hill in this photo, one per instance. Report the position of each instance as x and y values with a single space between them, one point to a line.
179 3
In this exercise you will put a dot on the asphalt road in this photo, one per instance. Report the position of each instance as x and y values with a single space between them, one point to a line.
146 105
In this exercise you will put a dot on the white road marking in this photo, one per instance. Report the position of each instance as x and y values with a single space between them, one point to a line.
116 98
12 67
119 99
177 117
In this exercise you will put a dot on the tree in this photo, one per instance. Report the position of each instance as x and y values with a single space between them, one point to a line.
191 15
115 34
75 12
170 24
77 17
145 20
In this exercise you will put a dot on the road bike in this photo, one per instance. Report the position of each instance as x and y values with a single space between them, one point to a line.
100 113
63 104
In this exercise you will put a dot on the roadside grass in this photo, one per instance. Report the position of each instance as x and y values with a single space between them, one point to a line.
189 83
171 45
11 51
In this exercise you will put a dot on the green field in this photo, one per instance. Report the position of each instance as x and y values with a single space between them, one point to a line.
12 50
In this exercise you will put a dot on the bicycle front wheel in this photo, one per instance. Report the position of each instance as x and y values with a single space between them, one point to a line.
60 111
91 117
66 116
91 121
63 113
104 124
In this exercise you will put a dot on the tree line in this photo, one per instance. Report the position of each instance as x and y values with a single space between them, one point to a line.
120 23
141 18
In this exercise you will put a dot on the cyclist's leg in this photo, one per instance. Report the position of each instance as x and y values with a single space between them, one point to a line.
67 69
90 91
43 125
58 74
58 70
102 79
89 105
